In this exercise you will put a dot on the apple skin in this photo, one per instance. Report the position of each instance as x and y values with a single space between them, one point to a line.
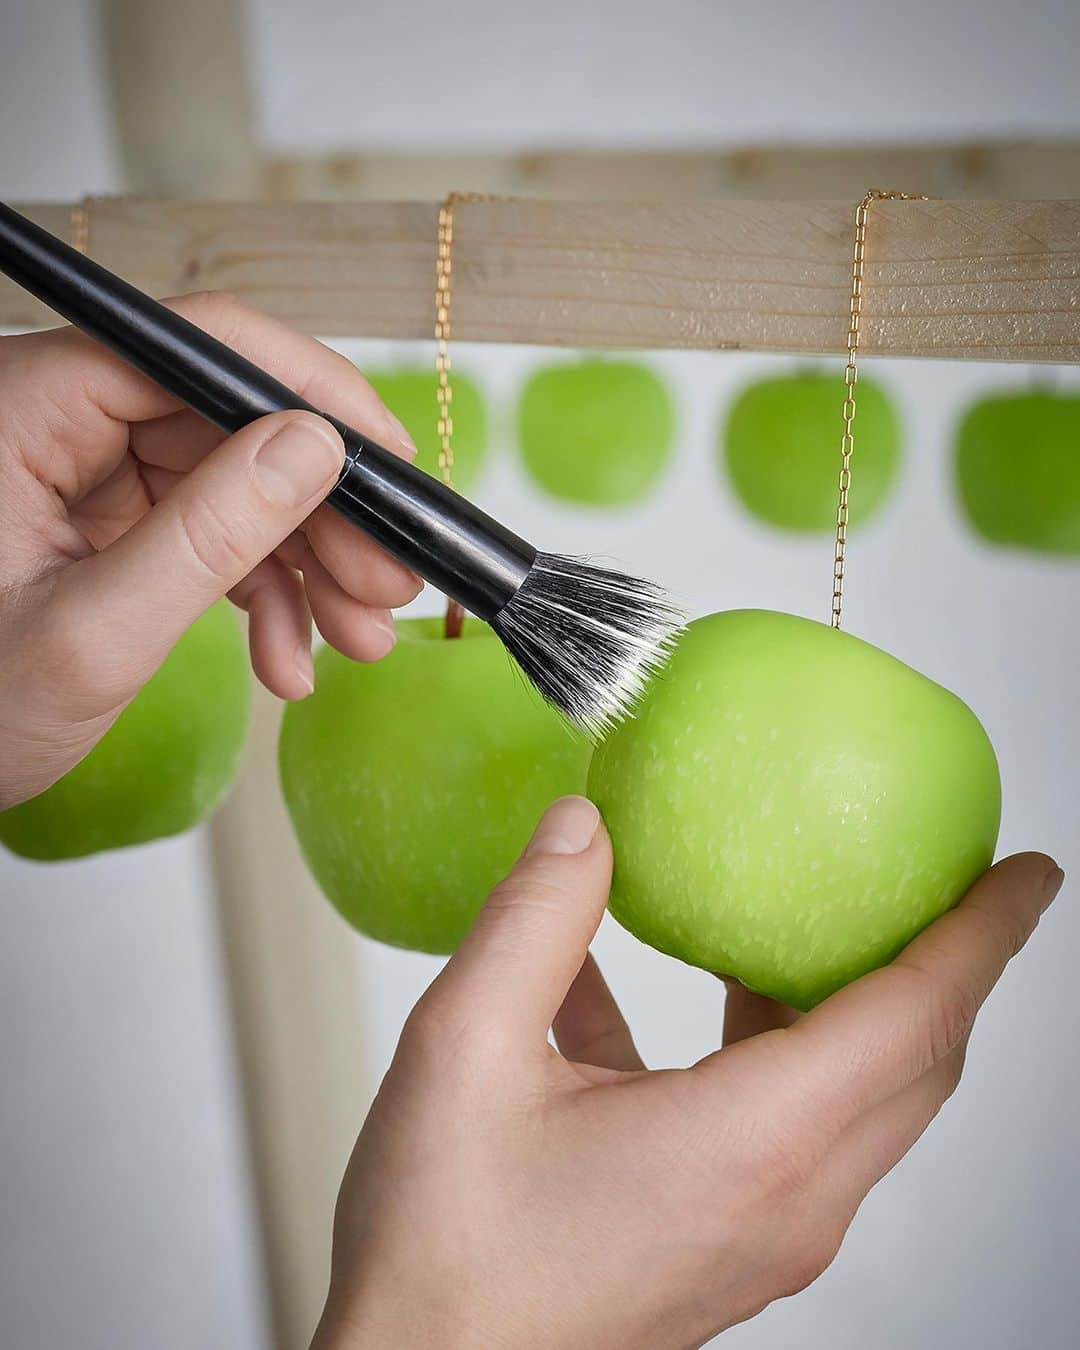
1017 466
411 396
413 784
596 432
791 805
164 764
781 449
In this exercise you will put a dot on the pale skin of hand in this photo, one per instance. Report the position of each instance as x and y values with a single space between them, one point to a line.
505 1193
123 516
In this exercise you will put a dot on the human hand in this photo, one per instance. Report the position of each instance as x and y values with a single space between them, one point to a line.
124 515
503 1193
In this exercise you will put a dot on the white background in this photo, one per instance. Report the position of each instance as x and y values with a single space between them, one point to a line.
125 1206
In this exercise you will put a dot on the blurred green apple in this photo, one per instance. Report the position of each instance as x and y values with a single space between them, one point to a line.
1018 470
781 445
597 431
411 396
413 784
164 764
791 805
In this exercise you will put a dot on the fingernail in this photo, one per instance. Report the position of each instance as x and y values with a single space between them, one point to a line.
1052 884
305 667
298 461
400 435
568 826
384 622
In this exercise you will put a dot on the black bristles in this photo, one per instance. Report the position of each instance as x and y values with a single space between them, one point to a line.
589 639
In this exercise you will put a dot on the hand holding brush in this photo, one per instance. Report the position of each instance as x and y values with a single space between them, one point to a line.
588 638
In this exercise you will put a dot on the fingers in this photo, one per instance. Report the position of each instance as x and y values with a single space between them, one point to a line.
360 631
887 1030
176 444
589 1027
199 542
748 1014
530 939
279 628
357 564
872 1145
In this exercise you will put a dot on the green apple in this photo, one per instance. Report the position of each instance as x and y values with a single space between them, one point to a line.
790 806
164 764
597 432
413 784
1018 470
781 446
411 396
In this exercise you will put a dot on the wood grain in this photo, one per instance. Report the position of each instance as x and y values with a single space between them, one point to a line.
996 281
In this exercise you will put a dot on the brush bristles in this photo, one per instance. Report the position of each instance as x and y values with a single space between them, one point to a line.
589 639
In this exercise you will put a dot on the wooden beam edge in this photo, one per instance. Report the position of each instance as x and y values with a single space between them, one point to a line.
957 279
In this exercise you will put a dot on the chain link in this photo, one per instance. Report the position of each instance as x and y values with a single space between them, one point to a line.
444 391
80 226
851 376
444 269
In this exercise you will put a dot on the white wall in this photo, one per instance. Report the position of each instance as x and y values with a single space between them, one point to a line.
126 1211
125 1219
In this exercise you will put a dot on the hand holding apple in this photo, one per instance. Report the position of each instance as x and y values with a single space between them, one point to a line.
503 1192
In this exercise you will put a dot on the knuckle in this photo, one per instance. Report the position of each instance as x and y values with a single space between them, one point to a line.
809 1259
527 891
436 1033
954 1072
946 1005
1000 931
212 305
68 656
953 1008
777 1161
212 540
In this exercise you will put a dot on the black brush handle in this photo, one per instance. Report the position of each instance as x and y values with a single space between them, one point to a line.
426 525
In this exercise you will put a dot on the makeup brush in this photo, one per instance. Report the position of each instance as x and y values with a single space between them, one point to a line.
589 639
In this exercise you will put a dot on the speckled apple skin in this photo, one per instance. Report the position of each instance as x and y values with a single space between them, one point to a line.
164 764
413 784
792 805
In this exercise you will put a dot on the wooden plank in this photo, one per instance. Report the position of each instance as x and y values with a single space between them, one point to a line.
1017 171
294 979
996 281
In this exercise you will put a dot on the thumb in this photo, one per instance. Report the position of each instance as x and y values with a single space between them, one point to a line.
530 938
198 542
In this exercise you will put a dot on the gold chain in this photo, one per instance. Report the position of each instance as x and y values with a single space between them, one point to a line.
851 375
444 268
80 226
444 392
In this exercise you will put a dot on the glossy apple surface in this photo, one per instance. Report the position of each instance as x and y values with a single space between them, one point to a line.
411 396
596 432
164 764
781 449
1018 470
413 784
792 805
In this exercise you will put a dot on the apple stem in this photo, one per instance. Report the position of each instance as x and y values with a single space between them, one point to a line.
455 619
